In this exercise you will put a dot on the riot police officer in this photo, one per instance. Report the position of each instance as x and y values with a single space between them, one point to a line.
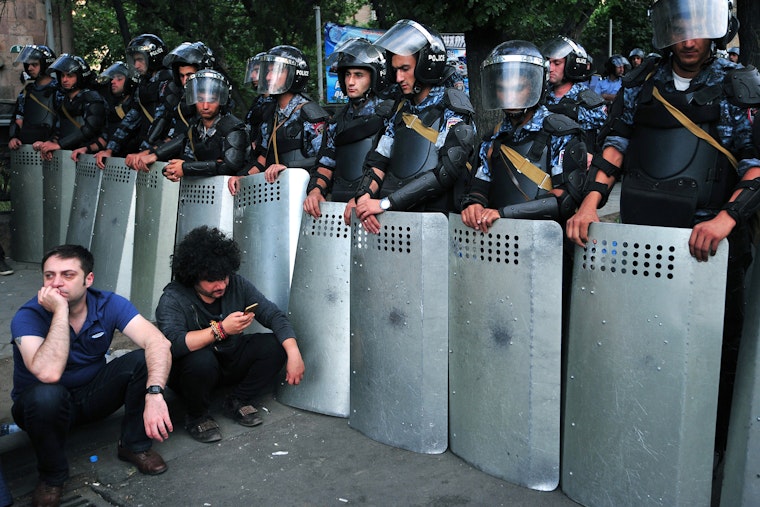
216 142
430 139
145 53
292 128
534 165
81 111
673 177
569 68
34 116
173 110
352 131
636 57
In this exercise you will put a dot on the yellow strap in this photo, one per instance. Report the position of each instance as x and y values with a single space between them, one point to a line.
38 102
120 111
190 139
145 112
524 166
72 120
182 116
273 137
694 128
414 123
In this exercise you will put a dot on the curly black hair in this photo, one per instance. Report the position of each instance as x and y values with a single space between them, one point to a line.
206 253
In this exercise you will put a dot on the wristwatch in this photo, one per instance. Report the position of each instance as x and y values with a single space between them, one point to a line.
154 390
385 204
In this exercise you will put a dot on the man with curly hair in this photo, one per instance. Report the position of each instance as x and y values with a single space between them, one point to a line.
204 312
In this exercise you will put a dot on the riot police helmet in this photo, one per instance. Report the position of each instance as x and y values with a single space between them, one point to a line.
286 71
253 70
577 64
407 38
514 76
72 64
675 21
36 53
358 53
152 49
207 85
131 76
196 54
733 50
637 52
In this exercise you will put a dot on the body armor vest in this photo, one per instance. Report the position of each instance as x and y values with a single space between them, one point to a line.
212 147
71 123
290 147
39 115
669 171
412 153
509 186
353 140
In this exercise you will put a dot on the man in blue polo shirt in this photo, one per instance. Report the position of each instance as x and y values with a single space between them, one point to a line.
60 374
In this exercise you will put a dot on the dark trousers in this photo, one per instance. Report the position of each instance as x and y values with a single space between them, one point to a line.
250 362
48 411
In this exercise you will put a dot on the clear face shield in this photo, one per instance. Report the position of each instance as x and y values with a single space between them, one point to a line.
276 75
360 50
675 21
117 69
557 48
253 70
405 38
512 81
28 55
200 88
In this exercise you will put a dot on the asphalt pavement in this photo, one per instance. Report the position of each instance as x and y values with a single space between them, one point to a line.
295 458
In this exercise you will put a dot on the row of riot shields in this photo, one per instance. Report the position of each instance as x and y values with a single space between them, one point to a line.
431 336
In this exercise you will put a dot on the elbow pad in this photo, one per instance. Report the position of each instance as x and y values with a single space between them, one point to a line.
544 208
170 149
236 149
747 203
200 168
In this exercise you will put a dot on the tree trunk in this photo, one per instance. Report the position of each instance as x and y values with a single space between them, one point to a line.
748 12
121 18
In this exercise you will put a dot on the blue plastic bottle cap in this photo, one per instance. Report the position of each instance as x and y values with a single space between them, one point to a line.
93 459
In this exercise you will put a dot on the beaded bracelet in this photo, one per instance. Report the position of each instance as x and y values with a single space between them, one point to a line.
216 328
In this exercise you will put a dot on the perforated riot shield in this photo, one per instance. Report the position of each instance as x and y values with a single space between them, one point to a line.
505 327
399 331
113 238
267 221
320 311
155 225
204 201
58 175
84 204
742 462
26 205
643 366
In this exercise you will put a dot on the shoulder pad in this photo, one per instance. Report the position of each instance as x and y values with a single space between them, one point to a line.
230 122
638 75
590 99
313 112
90 95
560 125
458 101
164 75
742 87
386 108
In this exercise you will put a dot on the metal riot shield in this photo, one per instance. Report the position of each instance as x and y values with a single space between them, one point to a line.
84 204
505 334
267 221
26 205
155 225
741 486
319 312
204 201
58 174
114 234
643 366
399 331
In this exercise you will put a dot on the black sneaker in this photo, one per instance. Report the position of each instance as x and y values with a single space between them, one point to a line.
243 413
204 429
5 269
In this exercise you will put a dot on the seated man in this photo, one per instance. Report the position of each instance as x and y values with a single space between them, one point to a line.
61 378
204 313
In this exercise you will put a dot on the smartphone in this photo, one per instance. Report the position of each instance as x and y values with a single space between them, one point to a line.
250 308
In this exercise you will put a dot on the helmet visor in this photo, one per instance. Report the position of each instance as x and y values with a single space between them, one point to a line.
404 38
201 88
117 69
360 50
29 54
253 70
277 75
512 81
675 21
556 48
